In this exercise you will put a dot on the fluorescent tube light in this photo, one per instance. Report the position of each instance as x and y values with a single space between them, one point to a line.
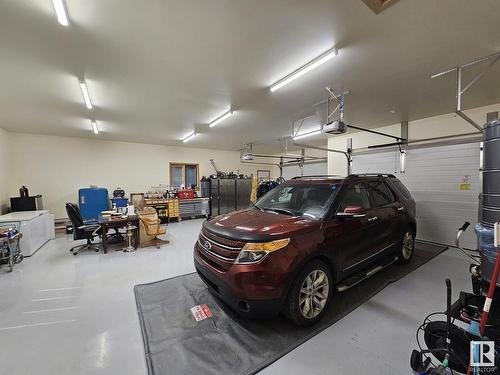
62 16
308 134
221 118
189 137
95 129
304 69
85 93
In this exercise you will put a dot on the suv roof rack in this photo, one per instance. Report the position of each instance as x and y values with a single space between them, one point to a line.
318 176
372 175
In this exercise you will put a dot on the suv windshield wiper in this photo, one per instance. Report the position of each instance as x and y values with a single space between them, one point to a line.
280 210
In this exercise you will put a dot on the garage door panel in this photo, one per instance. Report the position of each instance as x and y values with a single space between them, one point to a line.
310 169
429 232
433 176
429 211
434 168
457 155
454 164
381 163
432 195
444 208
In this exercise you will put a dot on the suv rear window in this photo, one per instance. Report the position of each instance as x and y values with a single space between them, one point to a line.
381 195
401 188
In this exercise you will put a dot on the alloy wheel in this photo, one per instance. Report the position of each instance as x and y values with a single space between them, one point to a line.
407 245
313 294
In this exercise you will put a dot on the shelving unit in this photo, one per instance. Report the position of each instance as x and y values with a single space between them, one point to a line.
167 208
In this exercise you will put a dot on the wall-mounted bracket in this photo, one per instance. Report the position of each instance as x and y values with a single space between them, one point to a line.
332 108
461 90
334 104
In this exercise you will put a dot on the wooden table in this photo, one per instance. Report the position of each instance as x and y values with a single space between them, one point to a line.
107 223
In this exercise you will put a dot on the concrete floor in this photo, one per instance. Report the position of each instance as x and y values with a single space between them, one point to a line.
62 314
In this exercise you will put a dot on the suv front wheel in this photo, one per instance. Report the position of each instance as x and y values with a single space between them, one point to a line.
309 294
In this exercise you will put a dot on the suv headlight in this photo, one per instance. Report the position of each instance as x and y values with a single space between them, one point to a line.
255 252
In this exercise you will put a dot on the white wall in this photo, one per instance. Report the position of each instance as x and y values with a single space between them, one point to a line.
436 126
57 167
5 170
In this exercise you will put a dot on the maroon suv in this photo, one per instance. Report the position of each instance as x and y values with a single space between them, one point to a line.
303 239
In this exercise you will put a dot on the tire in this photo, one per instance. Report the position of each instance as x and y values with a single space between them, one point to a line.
298 303
407 247
416 361
435 338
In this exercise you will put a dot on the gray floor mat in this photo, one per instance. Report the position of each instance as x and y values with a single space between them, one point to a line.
226 343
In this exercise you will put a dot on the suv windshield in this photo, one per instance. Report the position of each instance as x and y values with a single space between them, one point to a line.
300 199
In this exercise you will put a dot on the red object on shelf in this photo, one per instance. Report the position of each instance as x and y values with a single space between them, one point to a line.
186 194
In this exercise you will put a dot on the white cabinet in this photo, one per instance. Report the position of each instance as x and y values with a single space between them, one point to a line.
37 228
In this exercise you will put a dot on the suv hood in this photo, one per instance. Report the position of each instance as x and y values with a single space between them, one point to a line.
253 224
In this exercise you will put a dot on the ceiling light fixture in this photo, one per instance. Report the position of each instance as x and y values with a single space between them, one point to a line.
189 137
328 55
62 16
221 118
95 129
308 134
85 93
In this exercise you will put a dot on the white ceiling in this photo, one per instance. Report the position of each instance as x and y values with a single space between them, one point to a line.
158 69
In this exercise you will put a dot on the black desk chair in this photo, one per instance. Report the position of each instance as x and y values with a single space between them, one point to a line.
81 231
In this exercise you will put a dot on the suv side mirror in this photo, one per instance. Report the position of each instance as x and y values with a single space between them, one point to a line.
352 212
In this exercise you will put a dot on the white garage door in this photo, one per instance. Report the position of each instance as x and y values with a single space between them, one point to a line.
310 169
434 176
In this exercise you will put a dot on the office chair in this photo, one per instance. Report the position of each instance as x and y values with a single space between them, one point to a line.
82 231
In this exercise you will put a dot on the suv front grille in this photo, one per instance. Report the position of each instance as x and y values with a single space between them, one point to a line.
218 250
209 261
223 241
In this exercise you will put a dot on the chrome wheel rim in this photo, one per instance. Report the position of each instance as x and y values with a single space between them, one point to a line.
407 245
313 294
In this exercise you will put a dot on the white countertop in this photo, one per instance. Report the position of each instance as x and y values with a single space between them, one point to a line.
22 215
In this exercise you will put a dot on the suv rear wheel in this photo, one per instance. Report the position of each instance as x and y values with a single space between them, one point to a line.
309 294
407 247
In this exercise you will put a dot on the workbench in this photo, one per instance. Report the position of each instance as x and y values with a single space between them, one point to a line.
166 208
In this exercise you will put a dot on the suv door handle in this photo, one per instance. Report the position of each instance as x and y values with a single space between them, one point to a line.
401 208
372 219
